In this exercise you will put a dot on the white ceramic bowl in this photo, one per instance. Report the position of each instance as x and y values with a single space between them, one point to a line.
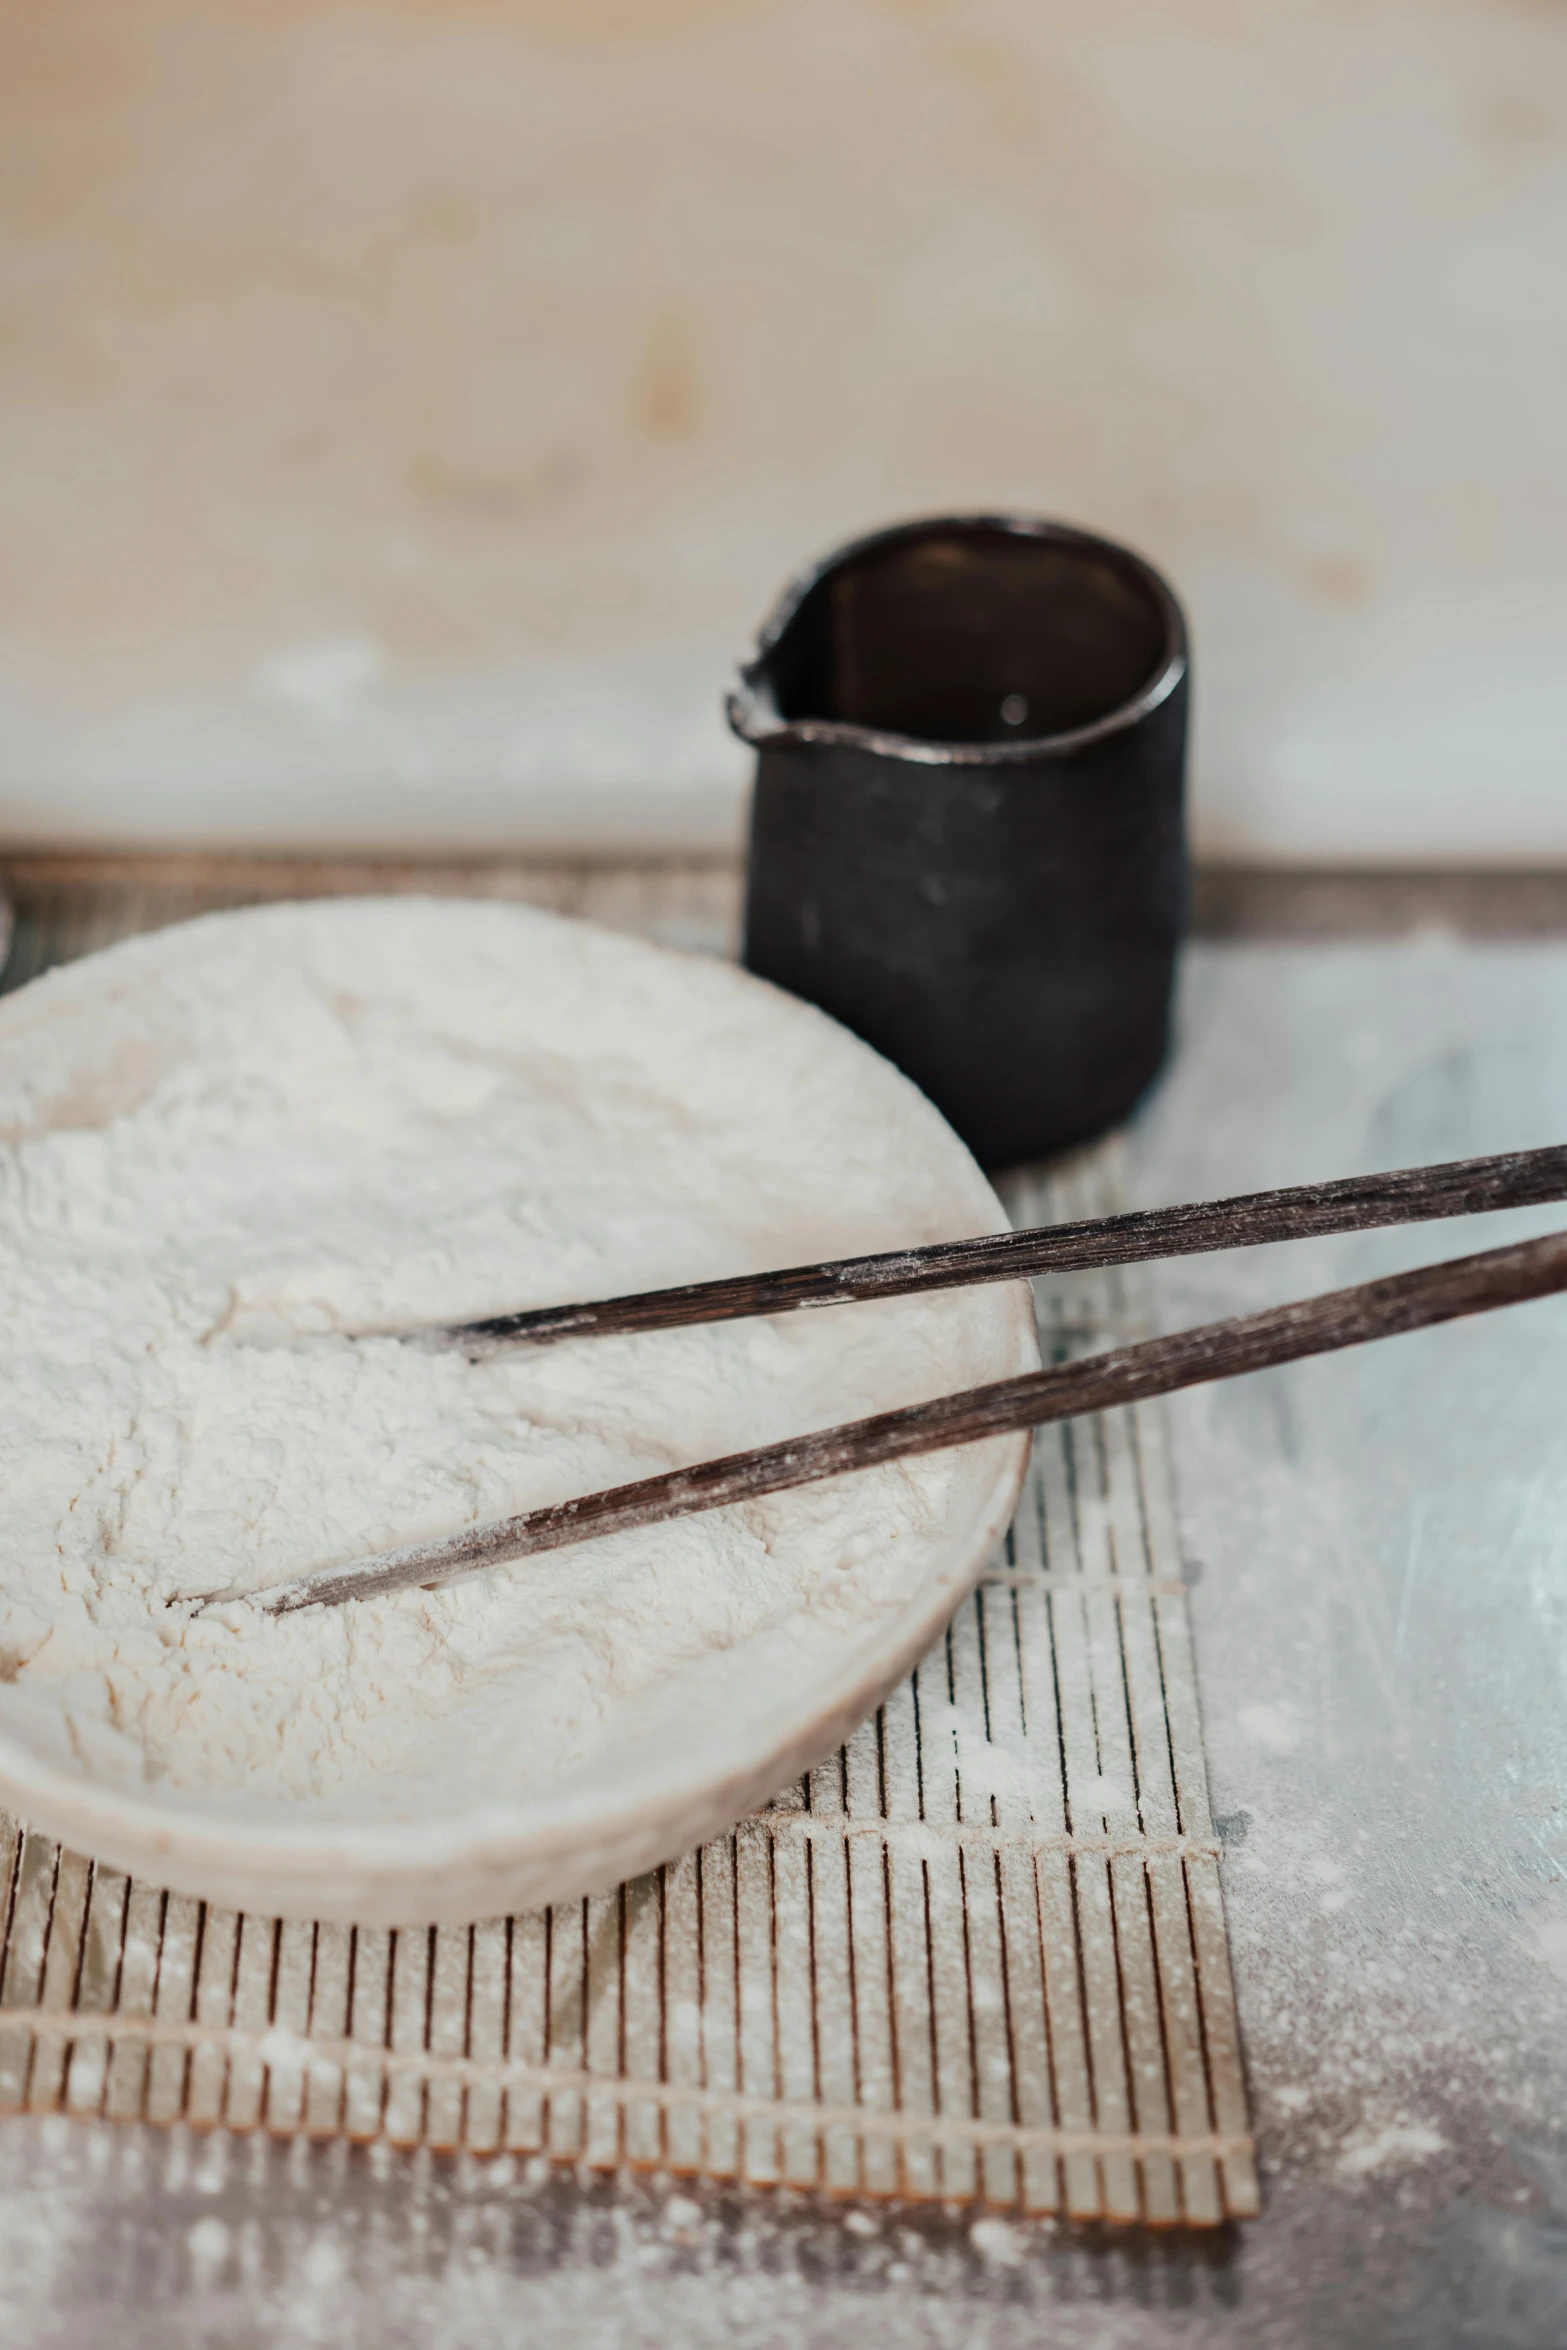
624 1809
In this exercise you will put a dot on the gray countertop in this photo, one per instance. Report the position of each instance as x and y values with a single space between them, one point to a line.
1378 1549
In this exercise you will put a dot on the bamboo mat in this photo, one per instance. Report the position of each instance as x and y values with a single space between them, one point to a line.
979 1955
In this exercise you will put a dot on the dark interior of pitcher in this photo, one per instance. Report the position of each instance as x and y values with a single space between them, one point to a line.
972 633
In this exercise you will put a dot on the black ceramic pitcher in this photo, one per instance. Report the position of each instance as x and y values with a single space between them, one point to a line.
967 838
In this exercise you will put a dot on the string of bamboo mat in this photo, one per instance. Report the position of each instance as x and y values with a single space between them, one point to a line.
978 1955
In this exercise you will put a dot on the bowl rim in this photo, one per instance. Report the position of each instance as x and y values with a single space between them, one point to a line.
754 716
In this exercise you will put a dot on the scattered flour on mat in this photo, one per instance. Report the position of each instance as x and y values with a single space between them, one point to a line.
224 1148
1399 2144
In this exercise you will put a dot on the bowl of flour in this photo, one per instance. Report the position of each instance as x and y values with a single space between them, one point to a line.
228 1152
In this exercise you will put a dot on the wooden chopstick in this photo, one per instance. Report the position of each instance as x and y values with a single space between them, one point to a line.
1414 1195
1158 1366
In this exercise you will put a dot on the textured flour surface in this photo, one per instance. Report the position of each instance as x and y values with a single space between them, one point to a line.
223 1148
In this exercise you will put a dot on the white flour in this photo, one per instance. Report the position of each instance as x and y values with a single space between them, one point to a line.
224 1147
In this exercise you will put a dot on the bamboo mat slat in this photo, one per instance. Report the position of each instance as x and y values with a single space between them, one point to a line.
977 1956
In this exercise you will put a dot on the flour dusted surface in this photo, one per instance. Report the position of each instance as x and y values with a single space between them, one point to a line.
224 1148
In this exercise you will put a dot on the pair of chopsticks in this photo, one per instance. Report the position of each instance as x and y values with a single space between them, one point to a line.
1128 1374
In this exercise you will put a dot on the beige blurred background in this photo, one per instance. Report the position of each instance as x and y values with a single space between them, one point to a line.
407 411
